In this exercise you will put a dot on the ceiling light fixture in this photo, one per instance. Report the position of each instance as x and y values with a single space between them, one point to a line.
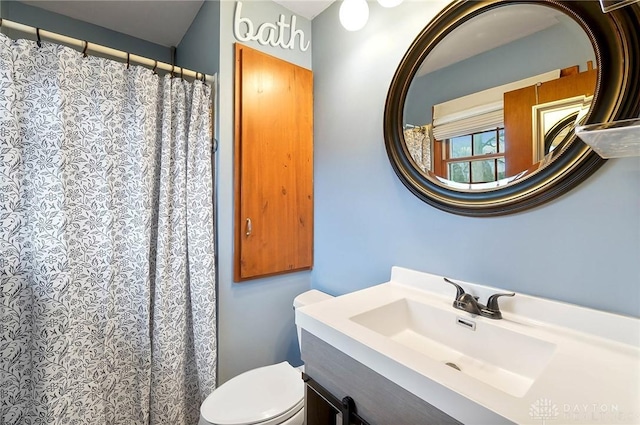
354 14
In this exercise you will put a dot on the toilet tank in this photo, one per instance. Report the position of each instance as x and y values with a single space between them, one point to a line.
307 298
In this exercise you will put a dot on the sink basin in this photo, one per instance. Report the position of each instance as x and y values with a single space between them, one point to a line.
505 359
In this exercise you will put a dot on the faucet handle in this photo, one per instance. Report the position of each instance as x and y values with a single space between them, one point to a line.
492 304
460 291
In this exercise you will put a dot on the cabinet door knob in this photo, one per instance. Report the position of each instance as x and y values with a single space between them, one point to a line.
249 227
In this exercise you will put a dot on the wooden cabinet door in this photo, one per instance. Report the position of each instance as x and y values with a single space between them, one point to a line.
273 165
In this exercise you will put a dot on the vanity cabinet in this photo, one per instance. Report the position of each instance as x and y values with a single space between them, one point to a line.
378 401
273 166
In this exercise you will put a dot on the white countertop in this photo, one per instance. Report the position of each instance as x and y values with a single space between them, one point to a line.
593 375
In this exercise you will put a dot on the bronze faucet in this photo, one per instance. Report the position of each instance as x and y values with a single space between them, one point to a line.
470 303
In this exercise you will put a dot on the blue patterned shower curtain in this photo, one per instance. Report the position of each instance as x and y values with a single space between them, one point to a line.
107 278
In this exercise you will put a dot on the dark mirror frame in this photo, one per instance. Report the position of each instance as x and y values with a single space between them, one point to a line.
616 44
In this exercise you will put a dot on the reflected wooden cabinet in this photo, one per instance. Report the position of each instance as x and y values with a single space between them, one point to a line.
273 166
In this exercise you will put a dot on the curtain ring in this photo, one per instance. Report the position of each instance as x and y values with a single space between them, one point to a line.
127 60
38 35
172 68
181 74
84 51
155 66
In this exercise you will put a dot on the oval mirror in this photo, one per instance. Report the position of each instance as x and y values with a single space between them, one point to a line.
480 114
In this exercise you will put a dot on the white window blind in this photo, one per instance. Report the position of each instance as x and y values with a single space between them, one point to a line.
478 111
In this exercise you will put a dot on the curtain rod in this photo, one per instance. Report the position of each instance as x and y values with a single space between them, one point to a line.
97 48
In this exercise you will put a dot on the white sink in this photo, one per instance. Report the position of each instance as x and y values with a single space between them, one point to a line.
507 360
581 365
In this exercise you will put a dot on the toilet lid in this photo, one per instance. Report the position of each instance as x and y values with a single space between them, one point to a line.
255 396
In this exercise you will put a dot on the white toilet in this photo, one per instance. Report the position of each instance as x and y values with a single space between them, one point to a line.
269 395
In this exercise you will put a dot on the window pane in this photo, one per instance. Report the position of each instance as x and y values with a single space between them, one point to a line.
501 143
483 171
501 169
485 143
460 147
459 172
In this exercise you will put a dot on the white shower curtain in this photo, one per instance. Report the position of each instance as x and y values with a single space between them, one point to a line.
107 277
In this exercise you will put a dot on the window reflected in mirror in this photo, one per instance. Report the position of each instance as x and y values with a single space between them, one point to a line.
472 158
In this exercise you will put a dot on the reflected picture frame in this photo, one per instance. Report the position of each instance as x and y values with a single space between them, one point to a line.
546 115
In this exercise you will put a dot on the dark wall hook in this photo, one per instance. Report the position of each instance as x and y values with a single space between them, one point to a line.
38 36
155 66
84 51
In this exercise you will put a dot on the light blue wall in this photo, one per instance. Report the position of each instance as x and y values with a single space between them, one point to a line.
555 47
44 19
199 49
255 318
582 248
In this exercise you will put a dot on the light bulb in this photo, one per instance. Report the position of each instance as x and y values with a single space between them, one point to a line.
389 3
354 14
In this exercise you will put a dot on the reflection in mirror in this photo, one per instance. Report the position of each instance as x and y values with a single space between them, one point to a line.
553 121
557 134
479 108
418 140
